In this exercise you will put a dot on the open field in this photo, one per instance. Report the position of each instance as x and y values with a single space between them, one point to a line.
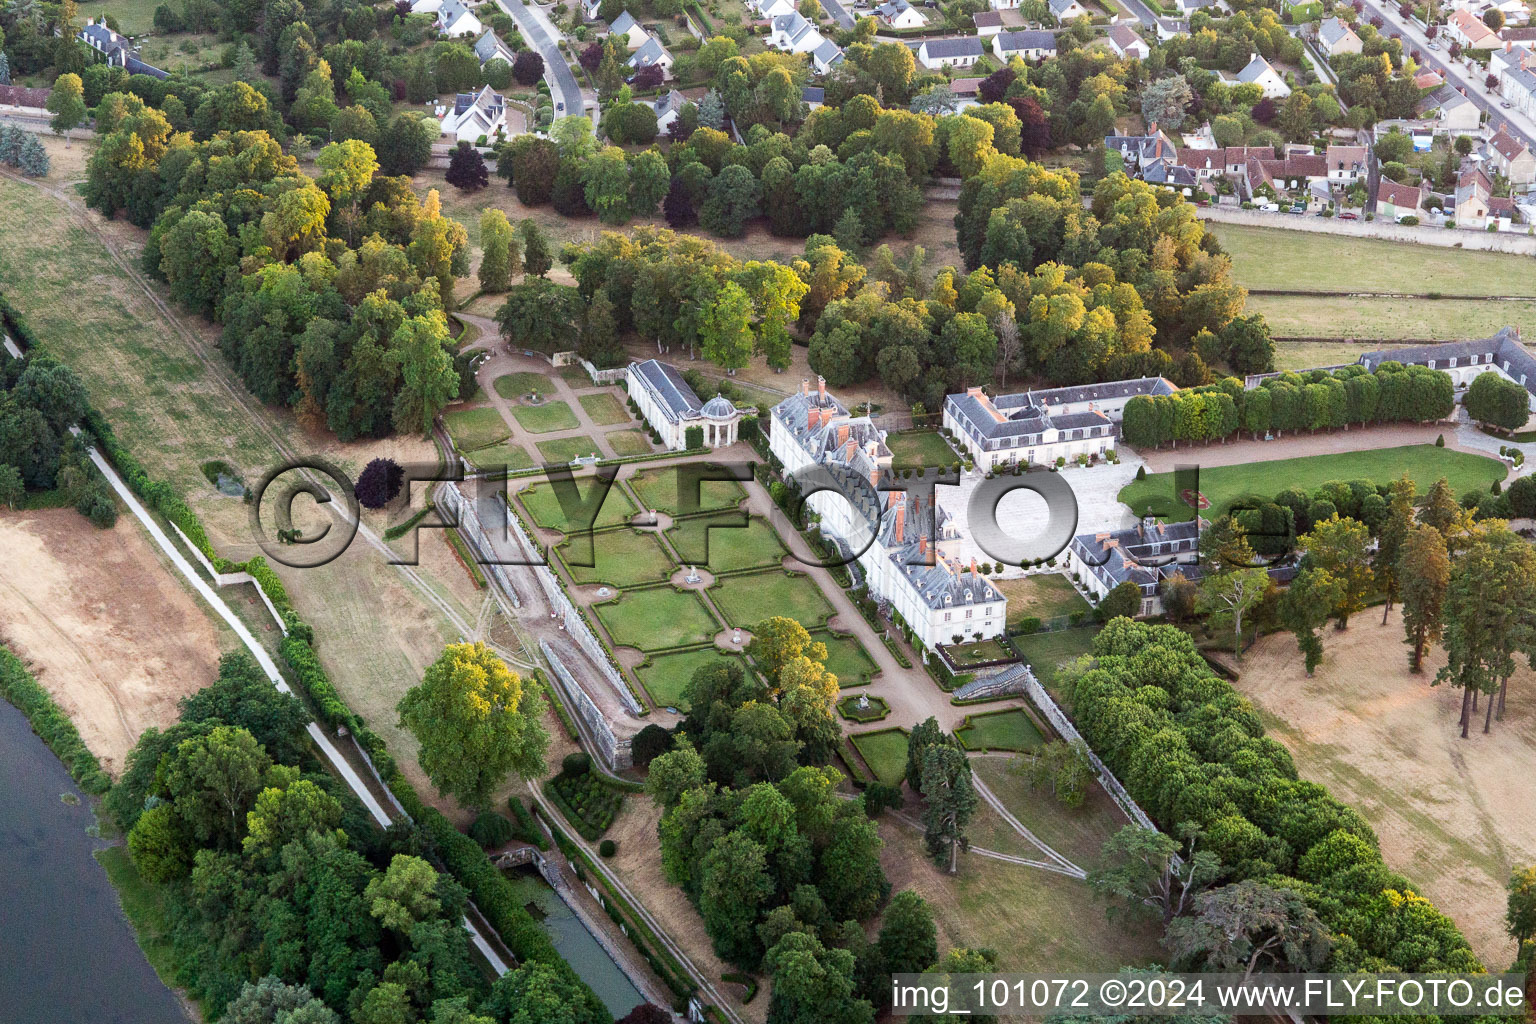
104 625
1041 596
666 675
660 617
1222 485
544 506
885 751
1078 833
1276 258
1045 651
515 385
1452 815
1310 316
605 409
746 600
725 543
472 429
623 558
1000 730
846 658
134 16
658 489
920 448
543 419
1305 355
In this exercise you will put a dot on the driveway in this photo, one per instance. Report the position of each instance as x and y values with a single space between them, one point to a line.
542 35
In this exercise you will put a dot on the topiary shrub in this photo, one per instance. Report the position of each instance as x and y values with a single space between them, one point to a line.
1440 441
491 830
379 483
579 763
607 848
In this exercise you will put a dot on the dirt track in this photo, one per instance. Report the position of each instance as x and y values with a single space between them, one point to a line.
1453 815
113 637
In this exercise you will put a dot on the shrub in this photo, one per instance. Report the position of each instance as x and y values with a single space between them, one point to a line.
878 797
579 763
1030 624
1440 441
649 744
491 830
1410 221
693 437
379 483
607 848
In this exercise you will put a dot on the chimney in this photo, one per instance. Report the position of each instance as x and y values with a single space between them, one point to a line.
901 522
874 476
805 386
922 547
842 433
821 387
973 565
810 417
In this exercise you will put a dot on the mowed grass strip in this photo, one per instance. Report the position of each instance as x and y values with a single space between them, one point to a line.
1387 321
544 506
1000 730
751 598
666 676
543 419
727 542
623 558
846 658
885 751
628 442
658 489
1041 596
516 385
1222 485
654 619
1046 652
473 429
604 409
566 449
513 456
915 448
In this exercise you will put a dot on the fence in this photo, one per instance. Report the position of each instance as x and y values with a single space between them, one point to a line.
1492 241
616 753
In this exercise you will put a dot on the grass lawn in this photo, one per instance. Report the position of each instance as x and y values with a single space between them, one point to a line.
747 600
724 543
657 618
541 419
134 17
1077 833
144 907
1306 355
476 428
1224 484
658 489
544 506
1045 651
628 442
565 449
516 385
666 675
846 658
979 653
604 409
1042 596
1387 320
623 558
1000 730
576 376
513 456
885 752
1299 260
916 448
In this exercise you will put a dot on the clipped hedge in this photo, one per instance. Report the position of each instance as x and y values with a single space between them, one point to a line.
51 724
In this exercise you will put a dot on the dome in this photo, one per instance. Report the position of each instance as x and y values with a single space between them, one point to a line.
719 408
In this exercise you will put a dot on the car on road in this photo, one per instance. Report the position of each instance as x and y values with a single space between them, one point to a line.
1434 45
1506 105
1349 216
1269 207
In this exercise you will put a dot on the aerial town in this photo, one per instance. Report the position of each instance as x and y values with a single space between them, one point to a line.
766 511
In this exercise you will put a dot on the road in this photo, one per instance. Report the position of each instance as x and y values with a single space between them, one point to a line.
838 13
1456 73
542 35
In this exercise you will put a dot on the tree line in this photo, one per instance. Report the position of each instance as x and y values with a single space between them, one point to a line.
40 399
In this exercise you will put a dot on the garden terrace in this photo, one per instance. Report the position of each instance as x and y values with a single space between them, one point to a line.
750 598
544 507
847 659
1000 730
657 490
726 542
622 558
656 619
666 676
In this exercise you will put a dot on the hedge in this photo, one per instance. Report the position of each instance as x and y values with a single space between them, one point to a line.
51 724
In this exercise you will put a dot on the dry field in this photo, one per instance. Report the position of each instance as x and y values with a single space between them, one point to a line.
104 625
1453 815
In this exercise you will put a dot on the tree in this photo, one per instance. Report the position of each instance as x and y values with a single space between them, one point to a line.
777 641
1228 597
725 338
213 781
428 381
500 254
476 720
405 144
908 940
1423 575
12 490
530 163
735 886
528 67
1493 18
536 255
271 1001
677 208
379 483
813 984
950 800
543 993
466 168
242 696
404 894
1497 400
674 773
1520 917
1137 869
1341 546
1064 767
1249 927
1443 512
1124 599
1304 608
33 159
539 316
1390 539
160 846
733 200
1490 599
1165 102
67 105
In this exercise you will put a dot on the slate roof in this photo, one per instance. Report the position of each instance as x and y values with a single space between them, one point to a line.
1143 554
489 47
134 66
1503 350
892 8
1123 36
650 52
1060 7
988 19
1334 31
672 101
963 46
452 11
1144 148
794 26
813 94
103 38
622 24
1470 183
1030 39
666 385
1162 172
828 52
1256 68
1027 413
1444 98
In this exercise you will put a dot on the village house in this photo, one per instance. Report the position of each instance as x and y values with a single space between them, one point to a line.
667 108
1145 554
1125 42
631 31
1428 79
455 20
116 50
476 115
670 407
1335 37
1139 153
1039 427
489 47
652 54
767 10
1030 44
957 52
900 14
1347 164
1468 29
1452 112
1067 10
1395 201
1473 190
1515 68
1510 157
990 23
967 93
813 96
1260 72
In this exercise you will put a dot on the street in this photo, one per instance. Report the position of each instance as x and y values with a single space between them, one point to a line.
838 13
542 35
1455 73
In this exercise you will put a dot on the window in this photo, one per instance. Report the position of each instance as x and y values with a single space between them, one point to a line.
968 612
948 616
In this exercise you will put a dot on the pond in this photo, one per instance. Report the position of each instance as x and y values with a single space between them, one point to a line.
575 943
70 953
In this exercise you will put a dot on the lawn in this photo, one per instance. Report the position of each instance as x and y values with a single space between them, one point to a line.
1307 355
1425 463
1000 730
657 618
1276 258
542 419
134 17
476 428
665 676
544 506
516 385
847 659
916 448
567 449
979 652
604 409
1041 596
623 558
144 906
885 752
628 442
576 376
513 456
849 708
747 600
658 489
1390 320
724 543
1045 651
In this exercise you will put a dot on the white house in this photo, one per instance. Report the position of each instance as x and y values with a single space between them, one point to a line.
1005 5
426 7
767 10
1125 42
905 546
1259 72
794 33
1145 554
1515 68
900 14
669 405
826 56
454 20
1453 112
1039 427
1347 164
489 47
957 52
1066 10
476 114
633 32
652 54
116 50
1031 44
1468 29
667 108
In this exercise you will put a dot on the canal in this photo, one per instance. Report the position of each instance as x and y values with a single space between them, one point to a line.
575 944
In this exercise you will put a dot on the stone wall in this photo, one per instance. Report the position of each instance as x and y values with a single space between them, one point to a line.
616 753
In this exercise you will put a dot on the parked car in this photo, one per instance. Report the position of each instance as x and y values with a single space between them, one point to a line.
1506 105
1434 44
1298 208
1270 207
1349 216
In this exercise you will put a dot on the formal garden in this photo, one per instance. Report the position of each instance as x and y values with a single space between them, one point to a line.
472 429
847 659
544 506
1012 729
567 449
544 418
665 676
658 489
885 751
604 408
752 597
863 708
621 558
493 457
657 618
513 386
727 542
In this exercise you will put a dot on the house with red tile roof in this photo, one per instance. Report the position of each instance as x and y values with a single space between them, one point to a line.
1395 201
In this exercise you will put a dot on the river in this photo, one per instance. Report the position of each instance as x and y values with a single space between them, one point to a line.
68 952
